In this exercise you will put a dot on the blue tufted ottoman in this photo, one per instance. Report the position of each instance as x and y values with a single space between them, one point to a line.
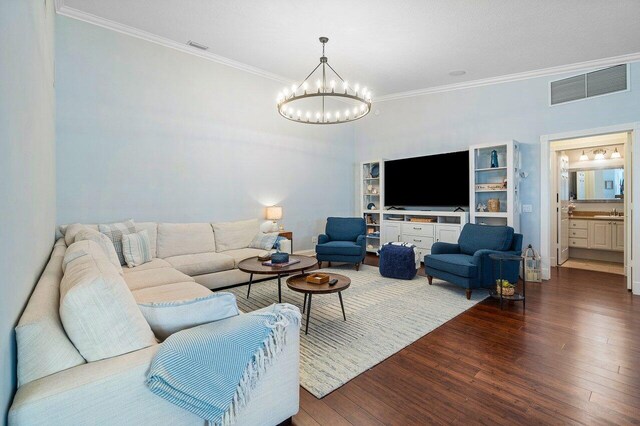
398 260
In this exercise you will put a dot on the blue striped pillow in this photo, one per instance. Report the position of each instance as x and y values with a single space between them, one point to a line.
136 248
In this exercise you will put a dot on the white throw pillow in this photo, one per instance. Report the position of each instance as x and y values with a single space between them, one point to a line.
88 234
166 318
97 309
235 235
136 248
264 241
115 231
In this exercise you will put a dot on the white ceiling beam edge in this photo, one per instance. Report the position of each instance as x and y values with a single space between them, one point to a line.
70 12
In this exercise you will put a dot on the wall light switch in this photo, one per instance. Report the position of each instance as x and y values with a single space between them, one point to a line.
314 240
527 208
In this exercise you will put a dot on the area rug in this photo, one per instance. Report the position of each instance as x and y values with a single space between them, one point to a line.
383 316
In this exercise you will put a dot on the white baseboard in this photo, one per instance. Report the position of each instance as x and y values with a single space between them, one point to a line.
305 252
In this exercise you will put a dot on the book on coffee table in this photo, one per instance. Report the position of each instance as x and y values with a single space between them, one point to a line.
281 265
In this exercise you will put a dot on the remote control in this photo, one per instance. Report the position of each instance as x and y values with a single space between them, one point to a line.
333 282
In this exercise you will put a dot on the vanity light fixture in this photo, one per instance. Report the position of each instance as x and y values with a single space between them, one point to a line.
584 157
599 153
615 154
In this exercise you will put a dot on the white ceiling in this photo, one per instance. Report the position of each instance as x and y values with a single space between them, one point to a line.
390 46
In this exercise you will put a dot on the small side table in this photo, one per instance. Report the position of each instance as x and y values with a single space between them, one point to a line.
289 236
517 297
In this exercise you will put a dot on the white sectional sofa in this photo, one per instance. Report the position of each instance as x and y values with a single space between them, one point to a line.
56 386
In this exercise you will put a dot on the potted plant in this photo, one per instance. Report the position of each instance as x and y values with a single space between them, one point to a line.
505 287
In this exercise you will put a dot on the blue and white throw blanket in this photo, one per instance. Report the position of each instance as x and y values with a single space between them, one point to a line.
210 370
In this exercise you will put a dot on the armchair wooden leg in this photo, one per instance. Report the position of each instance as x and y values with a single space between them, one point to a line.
468 294
357 266
319 264
430 278
329 264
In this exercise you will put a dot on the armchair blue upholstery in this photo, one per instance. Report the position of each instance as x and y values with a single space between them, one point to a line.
467 263
343 241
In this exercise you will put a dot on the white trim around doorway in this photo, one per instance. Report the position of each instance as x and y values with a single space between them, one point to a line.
545 205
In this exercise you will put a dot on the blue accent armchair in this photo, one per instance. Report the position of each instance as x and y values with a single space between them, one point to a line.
343 241
467 263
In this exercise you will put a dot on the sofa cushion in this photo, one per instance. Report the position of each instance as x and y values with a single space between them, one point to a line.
154 277
344 248
114 231
70 231
477 237
154 264
88 234
241 254
457 264
264 241
201 263
175 239
98 311
152 232
170 316
170 292
136 248
43 345
235 235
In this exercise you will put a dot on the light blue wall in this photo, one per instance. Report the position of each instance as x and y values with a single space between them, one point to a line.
451 121
151 133
27 166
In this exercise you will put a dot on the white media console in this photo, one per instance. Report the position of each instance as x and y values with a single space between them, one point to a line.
408 226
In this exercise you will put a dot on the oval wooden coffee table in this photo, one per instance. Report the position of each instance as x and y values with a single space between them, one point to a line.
254 266
299 283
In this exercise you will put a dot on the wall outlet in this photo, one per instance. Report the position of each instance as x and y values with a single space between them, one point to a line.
314 240
527 208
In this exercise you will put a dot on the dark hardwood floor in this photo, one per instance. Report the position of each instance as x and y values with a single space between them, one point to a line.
572 358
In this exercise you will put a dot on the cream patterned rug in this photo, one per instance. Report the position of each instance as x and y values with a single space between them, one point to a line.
384 315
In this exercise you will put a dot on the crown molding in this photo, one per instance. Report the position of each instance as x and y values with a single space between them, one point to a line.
70 12
577 67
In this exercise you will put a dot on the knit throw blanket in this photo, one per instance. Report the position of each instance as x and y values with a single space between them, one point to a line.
210 370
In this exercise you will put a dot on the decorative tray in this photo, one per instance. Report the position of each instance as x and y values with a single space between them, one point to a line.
318 278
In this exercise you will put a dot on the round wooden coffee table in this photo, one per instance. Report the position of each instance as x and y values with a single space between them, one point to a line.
254 266
299 283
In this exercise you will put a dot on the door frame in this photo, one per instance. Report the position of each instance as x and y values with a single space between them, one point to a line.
632 245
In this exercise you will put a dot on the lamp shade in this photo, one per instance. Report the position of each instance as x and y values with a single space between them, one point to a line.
274 213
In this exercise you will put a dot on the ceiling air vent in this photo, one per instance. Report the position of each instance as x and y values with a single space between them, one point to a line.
197 45
595 83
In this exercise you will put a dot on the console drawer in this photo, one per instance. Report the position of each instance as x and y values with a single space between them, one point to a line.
577 233
420 241
418 229
578 242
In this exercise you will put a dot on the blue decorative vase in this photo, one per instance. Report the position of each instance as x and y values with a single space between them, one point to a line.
279 257
494 159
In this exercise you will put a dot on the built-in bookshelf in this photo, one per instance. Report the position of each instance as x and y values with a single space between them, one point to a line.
372 201
494 184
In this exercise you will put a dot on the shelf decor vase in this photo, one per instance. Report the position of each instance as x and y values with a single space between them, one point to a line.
494 159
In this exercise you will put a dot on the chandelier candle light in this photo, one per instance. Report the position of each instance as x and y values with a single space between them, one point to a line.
359 99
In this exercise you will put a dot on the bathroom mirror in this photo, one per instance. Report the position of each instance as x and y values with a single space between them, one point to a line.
597 185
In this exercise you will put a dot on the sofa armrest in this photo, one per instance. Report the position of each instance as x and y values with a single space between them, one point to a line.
445 248
285 246
113 391
323 238
110 391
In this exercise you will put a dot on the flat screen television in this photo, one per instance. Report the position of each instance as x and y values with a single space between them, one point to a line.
431 181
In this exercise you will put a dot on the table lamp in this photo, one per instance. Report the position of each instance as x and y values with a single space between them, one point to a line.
274 214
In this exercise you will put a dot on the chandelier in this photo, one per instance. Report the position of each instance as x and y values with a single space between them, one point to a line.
324 102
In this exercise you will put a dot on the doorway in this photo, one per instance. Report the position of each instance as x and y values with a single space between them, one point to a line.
590 198
588 193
